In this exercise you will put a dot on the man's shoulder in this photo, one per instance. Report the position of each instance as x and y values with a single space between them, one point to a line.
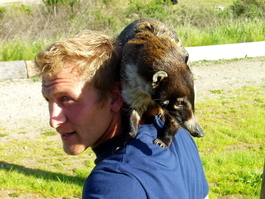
153 169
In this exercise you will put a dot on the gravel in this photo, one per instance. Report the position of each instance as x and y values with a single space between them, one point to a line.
227 75
21 100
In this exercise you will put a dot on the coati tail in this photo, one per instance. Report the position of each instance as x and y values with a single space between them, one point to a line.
130 120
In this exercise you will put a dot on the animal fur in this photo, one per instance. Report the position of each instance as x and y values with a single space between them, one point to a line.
156 78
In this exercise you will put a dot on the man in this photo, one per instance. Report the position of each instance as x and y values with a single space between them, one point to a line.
81 85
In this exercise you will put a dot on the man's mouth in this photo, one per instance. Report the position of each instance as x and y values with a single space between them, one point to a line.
66 136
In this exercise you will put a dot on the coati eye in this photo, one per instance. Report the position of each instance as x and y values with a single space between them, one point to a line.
179 103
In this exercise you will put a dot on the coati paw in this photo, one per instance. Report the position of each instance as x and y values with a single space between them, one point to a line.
160 143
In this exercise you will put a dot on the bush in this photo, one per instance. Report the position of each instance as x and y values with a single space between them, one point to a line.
249 8
2 12
71 3
54 6
154 9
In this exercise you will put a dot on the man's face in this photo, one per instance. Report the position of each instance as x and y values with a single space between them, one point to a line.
75 112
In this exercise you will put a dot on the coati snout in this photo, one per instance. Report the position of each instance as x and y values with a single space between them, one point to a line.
156 78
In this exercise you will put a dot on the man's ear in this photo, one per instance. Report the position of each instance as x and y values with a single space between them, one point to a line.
116 97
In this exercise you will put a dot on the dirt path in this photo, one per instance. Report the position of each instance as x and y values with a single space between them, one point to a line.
227 75
7 2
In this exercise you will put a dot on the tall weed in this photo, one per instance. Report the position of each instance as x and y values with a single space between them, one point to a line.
20 50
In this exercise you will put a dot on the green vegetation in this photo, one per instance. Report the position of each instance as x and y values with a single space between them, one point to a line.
25 30
3 135
51 173
233 148
232 152
47 132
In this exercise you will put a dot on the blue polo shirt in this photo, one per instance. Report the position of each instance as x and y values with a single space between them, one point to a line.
143 170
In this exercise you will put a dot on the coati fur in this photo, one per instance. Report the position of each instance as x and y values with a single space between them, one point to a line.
156 78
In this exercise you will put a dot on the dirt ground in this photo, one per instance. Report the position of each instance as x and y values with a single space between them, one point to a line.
22 105
227 75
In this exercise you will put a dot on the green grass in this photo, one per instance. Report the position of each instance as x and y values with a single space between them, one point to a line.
230 32
232 152
18 49
48 132
42 168
233 148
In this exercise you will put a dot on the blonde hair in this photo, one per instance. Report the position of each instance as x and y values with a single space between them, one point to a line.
94 55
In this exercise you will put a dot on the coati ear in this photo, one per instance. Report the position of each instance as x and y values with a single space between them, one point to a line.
186 58
158 77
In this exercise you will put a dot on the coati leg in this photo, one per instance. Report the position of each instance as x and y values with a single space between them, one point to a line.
167 133
130 121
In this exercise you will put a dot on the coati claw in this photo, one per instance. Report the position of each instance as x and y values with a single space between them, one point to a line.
160 143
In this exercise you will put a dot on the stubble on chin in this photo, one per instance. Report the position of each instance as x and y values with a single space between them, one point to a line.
74 149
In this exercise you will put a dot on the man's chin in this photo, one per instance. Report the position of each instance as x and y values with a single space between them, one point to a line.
74 149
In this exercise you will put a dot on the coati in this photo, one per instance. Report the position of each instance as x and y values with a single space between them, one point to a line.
155 77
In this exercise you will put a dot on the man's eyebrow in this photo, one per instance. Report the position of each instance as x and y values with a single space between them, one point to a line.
56 93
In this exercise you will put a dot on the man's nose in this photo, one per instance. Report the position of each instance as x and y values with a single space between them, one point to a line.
57 116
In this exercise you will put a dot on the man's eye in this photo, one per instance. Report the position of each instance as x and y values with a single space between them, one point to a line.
66 99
